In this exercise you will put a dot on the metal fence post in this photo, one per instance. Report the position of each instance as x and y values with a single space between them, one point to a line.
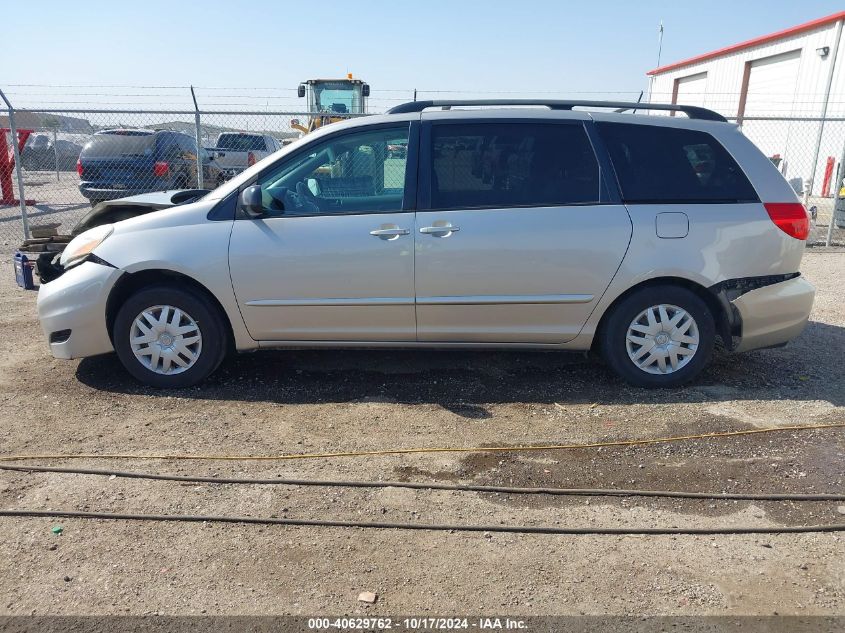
56 152
22 196
198 130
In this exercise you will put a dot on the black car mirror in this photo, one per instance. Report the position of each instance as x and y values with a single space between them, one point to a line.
252 201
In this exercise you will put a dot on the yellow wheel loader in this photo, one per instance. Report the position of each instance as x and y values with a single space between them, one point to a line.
331 100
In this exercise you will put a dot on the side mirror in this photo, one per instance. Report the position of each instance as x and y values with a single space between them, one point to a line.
300 91
365 90
252 201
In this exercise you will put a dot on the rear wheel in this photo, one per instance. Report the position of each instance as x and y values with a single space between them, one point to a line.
168 337
661 336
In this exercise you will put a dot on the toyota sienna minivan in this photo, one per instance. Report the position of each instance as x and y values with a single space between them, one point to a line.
561 226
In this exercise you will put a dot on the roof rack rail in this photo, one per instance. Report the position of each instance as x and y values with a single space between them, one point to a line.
693 112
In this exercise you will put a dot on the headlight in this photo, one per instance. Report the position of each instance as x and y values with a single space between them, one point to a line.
81 246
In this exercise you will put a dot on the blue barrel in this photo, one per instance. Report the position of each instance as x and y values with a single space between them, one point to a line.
23 271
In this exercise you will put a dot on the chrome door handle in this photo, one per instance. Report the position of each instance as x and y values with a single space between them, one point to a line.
387 233
435 230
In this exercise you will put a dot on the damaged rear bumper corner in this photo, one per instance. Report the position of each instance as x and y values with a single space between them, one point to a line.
773 314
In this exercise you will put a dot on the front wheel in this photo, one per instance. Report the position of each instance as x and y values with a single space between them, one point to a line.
662 336
168 337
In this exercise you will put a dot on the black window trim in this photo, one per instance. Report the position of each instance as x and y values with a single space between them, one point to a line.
409 196
608 192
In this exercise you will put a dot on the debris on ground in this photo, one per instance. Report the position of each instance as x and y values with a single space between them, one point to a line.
367 596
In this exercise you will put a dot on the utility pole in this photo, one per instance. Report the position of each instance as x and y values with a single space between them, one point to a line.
830 72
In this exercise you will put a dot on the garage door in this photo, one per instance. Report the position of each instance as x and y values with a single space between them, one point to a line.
691 90
771 92
771 85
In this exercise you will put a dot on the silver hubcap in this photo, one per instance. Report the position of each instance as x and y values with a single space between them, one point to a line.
165 340
662 339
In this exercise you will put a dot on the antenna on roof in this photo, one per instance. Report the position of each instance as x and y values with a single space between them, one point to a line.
659 43
659 52
639 100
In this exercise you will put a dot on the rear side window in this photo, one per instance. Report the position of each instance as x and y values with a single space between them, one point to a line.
119 145
186 143
493 165
656 164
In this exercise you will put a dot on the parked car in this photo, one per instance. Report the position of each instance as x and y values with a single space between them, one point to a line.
646 238
40 153
238 150
126 162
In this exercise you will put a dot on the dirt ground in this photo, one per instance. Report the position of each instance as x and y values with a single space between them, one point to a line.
317 401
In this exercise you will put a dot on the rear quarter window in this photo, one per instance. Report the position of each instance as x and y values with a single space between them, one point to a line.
657 164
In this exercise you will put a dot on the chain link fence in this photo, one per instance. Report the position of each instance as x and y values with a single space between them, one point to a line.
810 153
136 151
127 153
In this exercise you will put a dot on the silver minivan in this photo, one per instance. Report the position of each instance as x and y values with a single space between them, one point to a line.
481 224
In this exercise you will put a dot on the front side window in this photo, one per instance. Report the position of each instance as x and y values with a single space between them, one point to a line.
493 165
657 164
361 172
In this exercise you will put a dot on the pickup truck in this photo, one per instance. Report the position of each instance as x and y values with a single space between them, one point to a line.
235 151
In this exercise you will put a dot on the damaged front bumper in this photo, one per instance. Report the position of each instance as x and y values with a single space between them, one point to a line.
72 310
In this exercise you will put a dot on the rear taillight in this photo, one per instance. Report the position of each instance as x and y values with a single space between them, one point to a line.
250 159
790 217
79 169
161 168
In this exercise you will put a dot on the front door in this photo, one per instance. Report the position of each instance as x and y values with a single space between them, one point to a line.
519 239
333 257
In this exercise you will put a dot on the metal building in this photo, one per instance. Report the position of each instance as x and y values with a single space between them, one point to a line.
780 87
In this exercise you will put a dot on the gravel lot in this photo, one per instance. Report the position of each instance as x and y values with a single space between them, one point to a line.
293 402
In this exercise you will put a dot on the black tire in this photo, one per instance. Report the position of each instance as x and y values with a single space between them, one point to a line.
613 337
207 318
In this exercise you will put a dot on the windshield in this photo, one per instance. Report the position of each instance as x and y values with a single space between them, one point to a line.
338 97
251 172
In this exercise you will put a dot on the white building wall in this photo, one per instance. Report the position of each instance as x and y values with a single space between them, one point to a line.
795 142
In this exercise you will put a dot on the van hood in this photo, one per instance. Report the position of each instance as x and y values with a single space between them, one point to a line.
112 211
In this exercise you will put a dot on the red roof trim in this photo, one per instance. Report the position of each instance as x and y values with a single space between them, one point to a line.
807 26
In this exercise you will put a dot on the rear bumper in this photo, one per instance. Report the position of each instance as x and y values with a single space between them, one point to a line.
76 302
774 314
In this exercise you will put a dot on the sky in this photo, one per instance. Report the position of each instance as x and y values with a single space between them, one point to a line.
239 53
